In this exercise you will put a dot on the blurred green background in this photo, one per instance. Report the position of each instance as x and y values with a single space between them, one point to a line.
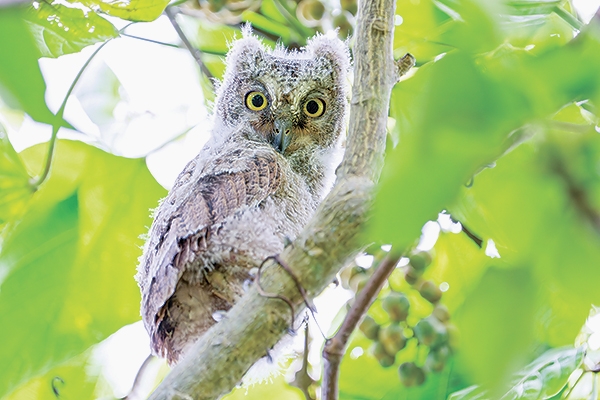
497 126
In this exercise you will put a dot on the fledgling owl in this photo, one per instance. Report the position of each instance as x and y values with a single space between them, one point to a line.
278 120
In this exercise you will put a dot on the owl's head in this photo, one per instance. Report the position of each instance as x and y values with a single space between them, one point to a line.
289 99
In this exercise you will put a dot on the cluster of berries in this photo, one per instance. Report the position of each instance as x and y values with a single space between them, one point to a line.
432 333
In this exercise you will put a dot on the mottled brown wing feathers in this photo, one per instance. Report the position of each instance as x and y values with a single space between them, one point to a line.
184 220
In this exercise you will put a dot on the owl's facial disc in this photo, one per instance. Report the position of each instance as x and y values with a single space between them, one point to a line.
282 135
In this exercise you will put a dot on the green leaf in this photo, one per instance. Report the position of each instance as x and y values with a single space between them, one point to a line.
542 379
270 10
428 28
362 378
131 10
532 7
273 27
73 379
208 37
497 324
460 263
547 375
68 265
60 30
475 29
529 211
419 26
452 120
455 116
21 83
15 189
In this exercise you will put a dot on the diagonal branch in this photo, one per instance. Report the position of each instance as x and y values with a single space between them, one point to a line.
220 358
171 13
336 346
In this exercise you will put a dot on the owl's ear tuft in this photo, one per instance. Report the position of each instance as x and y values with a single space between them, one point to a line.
332 49
245 51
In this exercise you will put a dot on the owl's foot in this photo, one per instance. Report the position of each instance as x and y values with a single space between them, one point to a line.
301 289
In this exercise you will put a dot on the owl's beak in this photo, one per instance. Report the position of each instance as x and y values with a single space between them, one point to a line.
283 135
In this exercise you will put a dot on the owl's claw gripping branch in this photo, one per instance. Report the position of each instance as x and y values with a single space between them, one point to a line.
286 268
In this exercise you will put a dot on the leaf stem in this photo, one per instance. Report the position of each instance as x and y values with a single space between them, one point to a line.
169 141
568 18
56 125
297 25
150 40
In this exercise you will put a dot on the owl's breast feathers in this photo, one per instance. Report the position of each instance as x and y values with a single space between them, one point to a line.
203 197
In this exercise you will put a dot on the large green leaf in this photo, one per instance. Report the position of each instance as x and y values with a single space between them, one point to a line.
363 378
73 379
68 266
452 119
428 28
460 263
59 29
21 83
15 188
535 205
131 10
542 379
497 323
456 115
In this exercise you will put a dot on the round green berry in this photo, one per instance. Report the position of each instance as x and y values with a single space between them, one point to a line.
430 291
392 338
411 374
369 328
397 306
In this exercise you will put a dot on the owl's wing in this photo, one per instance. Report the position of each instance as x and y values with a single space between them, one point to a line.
183 221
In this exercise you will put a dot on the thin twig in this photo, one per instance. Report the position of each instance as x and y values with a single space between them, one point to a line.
302 380
171 13
336 346
150 40
171 140
478 241
579 197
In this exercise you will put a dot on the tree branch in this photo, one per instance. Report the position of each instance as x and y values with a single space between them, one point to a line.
171 13
577 194
220 358
336 346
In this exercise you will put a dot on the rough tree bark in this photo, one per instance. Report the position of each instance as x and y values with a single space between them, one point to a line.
221 357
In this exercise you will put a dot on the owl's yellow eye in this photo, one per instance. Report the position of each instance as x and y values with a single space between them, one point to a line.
314 108
256 101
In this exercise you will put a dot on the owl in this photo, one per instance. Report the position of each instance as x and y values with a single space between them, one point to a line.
278 119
